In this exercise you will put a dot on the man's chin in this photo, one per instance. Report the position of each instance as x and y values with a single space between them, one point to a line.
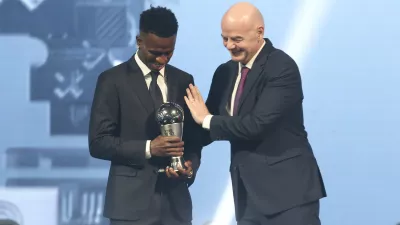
237 58
156 67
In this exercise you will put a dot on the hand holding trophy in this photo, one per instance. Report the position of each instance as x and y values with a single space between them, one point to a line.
170 117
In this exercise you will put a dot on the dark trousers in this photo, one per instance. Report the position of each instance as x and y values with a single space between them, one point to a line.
307 214
160 211
302 215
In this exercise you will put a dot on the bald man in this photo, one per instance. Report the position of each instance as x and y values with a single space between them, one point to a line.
255 103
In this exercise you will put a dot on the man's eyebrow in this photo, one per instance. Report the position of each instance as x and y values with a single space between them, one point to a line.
234 37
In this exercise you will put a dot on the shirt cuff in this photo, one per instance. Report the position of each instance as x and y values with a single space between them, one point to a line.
206 122
148 154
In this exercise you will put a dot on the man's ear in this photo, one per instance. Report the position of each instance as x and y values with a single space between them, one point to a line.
139 41
260 32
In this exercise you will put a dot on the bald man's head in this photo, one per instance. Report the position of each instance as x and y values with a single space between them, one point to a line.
242 31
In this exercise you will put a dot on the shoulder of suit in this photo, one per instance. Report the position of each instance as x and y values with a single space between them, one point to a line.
227 65
278 57
115 70
224 69
176 71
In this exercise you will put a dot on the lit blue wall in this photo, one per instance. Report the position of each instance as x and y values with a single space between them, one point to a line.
348 55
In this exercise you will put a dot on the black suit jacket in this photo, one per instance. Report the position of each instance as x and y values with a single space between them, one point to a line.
122 120
270 150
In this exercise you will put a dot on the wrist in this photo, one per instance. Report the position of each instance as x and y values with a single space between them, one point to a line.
190 175
148 153
204 118
206 122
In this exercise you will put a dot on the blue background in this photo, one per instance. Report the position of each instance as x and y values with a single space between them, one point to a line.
347 52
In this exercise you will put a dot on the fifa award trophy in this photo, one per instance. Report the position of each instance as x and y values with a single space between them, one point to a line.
170 117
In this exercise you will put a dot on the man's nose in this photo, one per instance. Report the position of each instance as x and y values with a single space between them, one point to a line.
162 59
230 45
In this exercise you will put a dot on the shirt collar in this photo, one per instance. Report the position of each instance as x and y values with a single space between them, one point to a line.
146 70
251 62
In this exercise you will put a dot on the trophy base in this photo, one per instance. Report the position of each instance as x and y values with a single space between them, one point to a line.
176 163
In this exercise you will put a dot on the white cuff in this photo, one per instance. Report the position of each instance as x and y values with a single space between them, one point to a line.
206 122
148 154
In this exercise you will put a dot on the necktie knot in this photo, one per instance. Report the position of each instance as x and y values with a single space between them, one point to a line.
244 72
154 75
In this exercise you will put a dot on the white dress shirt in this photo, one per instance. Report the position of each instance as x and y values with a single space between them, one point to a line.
207 120
161 83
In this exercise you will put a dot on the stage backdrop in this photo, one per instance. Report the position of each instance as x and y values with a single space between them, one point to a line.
51 52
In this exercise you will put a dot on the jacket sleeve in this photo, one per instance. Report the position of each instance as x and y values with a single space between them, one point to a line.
104 140
213 101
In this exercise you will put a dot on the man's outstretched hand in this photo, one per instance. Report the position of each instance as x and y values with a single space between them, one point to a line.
196 104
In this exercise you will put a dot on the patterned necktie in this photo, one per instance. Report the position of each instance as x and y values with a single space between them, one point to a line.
240 88
155 90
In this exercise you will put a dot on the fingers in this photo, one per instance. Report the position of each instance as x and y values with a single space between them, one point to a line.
193 94
170 146
171 138
189 94
188 103
181 170
186 172
173 149
174 152
174 144
171 173
188 164
194 91
181 173
167 172
198 94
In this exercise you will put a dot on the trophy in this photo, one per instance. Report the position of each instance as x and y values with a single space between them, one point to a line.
170 117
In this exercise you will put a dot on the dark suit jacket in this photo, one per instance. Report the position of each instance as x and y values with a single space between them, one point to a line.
122 120
269 146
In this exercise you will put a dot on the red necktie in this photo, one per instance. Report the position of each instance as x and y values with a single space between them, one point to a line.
240 88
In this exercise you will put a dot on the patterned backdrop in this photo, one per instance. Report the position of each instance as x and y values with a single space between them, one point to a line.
51 52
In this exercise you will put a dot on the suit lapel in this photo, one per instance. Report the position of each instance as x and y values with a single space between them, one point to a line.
227 96
251 80
256 71
137 81
172 85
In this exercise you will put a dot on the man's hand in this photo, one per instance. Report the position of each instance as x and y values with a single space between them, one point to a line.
196 104
182 173
166 146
